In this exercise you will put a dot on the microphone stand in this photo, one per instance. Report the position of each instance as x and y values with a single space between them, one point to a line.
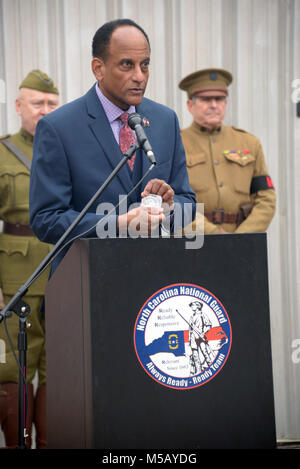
19 307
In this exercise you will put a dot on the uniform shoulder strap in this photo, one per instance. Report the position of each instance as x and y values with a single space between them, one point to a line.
17 152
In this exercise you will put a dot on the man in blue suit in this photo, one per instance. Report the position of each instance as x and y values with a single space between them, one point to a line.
77 146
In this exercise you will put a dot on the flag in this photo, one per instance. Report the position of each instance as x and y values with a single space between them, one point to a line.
216 337
171 342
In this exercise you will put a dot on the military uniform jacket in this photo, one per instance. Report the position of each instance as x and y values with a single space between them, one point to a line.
20 255
227 169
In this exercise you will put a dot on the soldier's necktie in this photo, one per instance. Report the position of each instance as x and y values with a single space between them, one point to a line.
127 138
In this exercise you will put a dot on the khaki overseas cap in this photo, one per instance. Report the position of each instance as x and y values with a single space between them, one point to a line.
210 79
40 81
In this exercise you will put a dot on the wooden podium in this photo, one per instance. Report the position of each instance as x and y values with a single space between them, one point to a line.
99 395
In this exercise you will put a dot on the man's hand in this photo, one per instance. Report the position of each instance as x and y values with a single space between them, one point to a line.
159 187
141 221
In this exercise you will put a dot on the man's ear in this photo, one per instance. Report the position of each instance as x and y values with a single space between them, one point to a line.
189 104
18 106
98 68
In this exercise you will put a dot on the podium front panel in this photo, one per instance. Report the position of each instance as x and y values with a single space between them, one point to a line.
96 380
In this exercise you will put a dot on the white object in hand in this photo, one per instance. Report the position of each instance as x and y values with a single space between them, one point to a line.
152 200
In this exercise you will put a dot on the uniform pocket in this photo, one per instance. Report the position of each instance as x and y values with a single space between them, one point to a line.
13 253
198 171
14 246
242 170
14 186
19 257
241 159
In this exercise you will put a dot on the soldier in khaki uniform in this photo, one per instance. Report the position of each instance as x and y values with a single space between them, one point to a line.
226 165
20 254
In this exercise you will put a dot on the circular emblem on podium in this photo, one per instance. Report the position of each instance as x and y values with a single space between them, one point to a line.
182 336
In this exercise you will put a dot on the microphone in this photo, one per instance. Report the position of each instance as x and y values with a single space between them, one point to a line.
135 122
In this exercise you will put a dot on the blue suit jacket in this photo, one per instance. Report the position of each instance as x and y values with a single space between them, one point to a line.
75 151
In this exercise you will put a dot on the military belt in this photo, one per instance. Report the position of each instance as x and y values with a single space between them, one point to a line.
17 229
220 216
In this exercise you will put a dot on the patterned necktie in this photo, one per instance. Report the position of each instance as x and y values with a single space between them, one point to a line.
127 138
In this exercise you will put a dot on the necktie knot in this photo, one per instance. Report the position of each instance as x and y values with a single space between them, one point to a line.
124 118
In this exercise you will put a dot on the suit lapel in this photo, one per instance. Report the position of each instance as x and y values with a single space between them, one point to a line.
101 129
143 111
